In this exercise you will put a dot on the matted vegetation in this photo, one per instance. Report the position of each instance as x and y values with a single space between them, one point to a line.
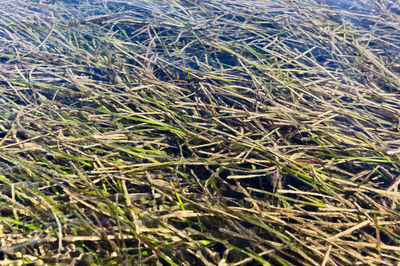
199 132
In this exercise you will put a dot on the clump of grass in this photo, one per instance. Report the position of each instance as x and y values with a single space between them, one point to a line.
199 132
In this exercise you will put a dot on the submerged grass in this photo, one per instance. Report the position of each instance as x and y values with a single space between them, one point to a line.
199 132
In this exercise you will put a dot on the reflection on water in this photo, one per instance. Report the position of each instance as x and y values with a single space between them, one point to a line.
176 37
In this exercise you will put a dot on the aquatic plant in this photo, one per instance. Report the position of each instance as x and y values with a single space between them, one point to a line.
199 132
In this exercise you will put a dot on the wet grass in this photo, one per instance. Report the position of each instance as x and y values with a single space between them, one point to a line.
199 133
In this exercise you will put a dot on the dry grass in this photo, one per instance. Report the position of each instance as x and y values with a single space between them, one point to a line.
199 132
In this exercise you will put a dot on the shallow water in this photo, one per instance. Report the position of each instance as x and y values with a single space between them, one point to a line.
259 96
